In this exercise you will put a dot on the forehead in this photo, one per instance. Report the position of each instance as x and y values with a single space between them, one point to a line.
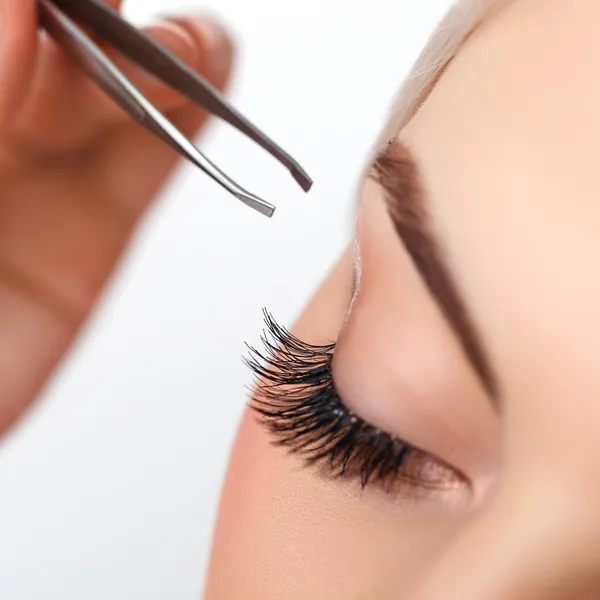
509 148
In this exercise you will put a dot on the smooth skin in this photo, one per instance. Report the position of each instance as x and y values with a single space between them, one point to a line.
69 202
508 145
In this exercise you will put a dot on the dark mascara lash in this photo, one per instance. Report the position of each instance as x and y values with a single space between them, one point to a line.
297 401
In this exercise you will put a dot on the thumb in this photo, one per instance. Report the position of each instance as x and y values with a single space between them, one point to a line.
18 49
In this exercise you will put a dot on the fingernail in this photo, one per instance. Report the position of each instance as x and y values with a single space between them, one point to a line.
213 34
218 45
176 39
211 39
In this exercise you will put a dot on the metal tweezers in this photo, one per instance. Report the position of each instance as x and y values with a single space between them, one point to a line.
60 18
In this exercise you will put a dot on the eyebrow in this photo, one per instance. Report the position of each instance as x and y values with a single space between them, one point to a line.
396 171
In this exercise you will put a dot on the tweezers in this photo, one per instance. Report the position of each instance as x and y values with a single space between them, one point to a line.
62 19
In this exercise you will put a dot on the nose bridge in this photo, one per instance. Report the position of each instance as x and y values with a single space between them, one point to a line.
537 534
538 537
534 541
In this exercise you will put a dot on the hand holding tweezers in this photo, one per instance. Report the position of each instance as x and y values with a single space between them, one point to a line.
60 18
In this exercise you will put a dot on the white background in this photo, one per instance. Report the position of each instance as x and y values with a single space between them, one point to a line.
109 489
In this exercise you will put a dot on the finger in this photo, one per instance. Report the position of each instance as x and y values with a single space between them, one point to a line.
220 46
116 4
146 153
18 47
52 117
174 38
67 109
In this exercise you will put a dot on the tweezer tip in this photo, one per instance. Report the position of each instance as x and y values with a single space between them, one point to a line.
268 212
300 175
258 204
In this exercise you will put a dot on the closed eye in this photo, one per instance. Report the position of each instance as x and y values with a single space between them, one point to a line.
297 401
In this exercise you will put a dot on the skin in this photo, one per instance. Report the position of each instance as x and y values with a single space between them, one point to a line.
507 146
513 193
67 205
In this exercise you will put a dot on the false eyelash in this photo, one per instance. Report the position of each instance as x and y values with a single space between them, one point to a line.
296 399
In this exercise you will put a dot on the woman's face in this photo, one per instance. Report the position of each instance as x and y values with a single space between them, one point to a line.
467 320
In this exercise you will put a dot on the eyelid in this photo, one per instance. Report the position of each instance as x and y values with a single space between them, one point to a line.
298 402
398 364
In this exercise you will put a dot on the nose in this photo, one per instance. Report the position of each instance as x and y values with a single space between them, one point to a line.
536 542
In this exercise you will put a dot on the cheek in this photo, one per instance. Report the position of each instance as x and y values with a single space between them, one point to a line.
288 532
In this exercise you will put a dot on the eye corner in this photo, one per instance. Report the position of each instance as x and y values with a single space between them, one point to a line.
296 400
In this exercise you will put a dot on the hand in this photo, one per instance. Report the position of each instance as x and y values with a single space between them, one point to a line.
76 174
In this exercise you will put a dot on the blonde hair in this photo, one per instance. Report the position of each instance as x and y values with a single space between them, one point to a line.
464 18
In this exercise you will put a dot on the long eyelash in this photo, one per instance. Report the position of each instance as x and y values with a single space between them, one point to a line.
297 400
